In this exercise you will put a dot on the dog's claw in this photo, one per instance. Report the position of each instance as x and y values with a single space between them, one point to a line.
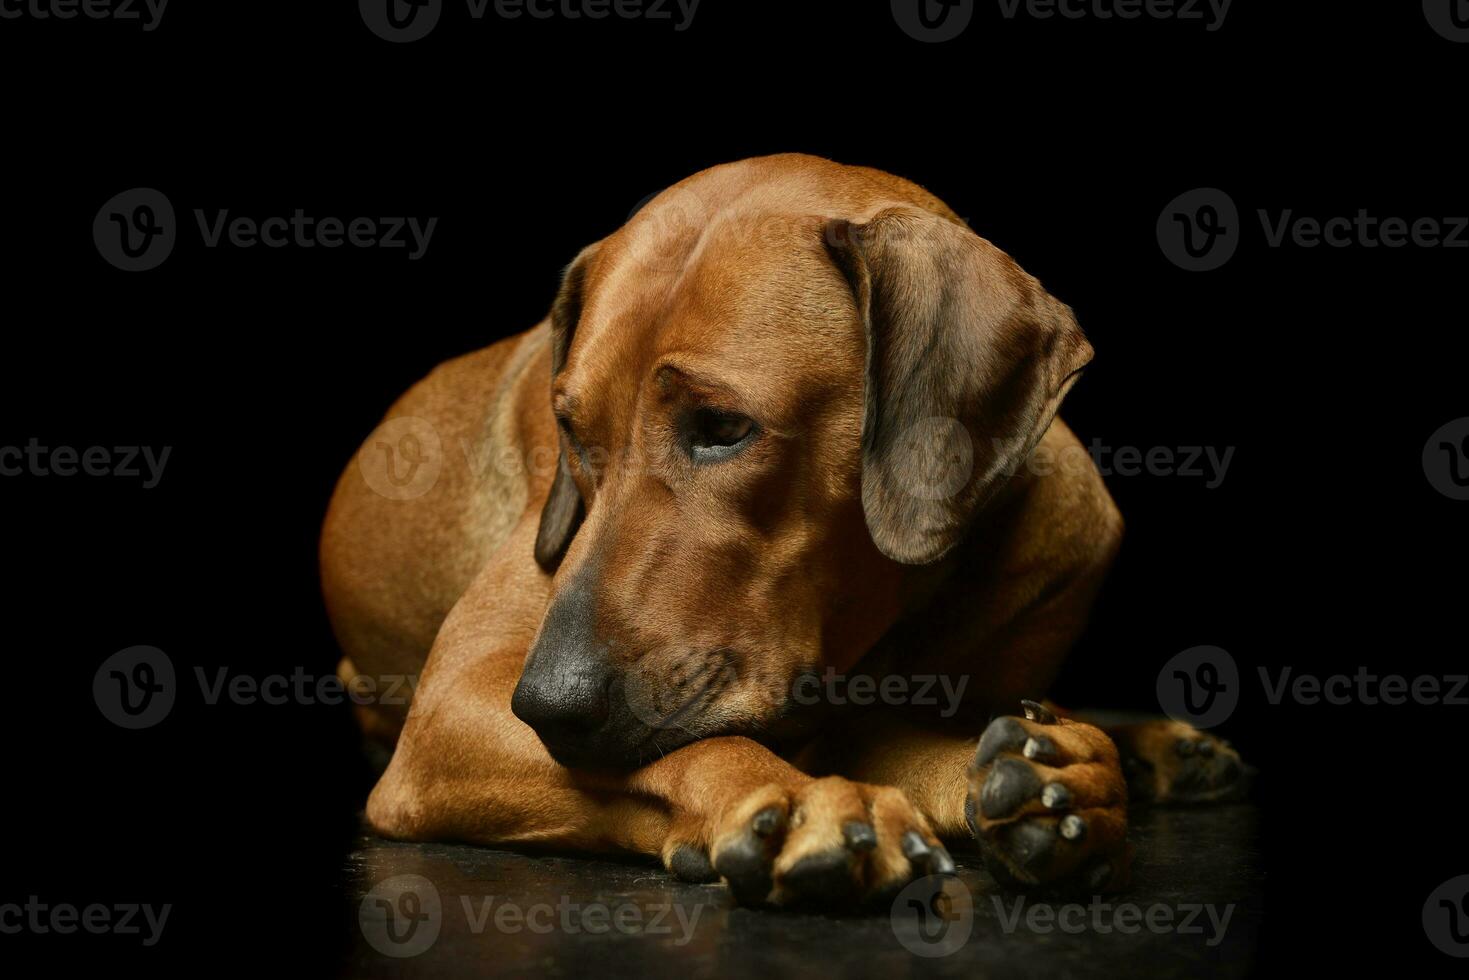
1035 711
1072 827
744 865
1040 749
941 863
859 835
1003 735
1055 796
765 822
914 847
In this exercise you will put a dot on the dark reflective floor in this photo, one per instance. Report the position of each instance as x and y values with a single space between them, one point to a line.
1194 910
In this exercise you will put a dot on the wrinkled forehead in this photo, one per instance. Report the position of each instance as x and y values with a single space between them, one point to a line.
747 300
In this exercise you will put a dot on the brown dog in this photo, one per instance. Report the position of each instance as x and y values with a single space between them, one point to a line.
778 432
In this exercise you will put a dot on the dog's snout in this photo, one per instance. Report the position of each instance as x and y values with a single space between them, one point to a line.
563 695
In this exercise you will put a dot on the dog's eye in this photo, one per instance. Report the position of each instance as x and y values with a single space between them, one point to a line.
715 434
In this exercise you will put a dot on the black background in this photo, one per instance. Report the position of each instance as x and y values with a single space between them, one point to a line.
1327 369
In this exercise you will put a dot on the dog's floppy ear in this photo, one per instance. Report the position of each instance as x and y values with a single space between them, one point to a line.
564 509
968 359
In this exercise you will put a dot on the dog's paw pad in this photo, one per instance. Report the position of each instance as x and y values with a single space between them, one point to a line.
1049 803
1010 785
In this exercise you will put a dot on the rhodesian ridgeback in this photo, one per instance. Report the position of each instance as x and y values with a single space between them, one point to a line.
777 431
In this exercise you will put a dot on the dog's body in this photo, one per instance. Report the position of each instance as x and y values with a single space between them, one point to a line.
765 383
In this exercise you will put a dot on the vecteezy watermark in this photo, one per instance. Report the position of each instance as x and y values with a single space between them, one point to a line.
1446 917
934 21
62 918
136 688
1207 463
124 462
1211 13
136 230
403 915
1200 230
1104 918
1446 459
1201 686
403 458
401 21
923 690
1363 687
933 916
1450 18
147 13
299 687
668 687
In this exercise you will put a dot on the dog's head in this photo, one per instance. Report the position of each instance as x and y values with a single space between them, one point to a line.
777 386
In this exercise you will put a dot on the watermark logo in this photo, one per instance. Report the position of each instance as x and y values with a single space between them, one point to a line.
135 230
675 217
1446 459
401 916
933 21
939 455
135 688
1446 917
401 21
933 916
402 458
1199 686
1449 18
1199 229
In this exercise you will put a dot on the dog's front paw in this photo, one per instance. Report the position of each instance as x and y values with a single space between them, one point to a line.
831 843
1171 762
1048 804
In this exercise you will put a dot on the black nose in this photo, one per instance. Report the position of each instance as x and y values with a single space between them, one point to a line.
563 696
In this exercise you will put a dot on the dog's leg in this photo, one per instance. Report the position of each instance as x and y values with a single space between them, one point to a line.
466 769
1167 761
